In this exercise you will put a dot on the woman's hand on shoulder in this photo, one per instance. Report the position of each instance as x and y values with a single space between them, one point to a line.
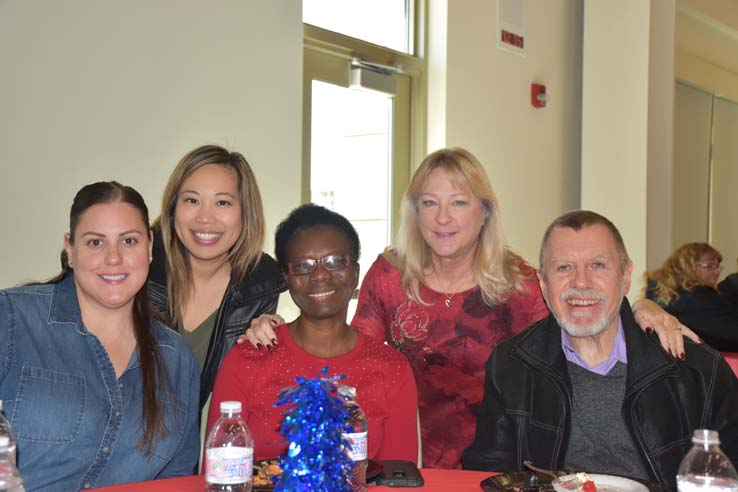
650 316
260 332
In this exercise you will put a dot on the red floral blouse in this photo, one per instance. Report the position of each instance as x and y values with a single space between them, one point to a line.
448 344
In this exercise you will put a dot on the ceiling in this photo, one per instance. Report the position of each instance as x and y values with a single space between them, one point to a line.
709 29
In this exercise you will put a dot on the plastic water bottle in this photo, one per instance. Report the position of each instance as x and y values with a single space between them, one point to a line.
10 477
5 430
705 467
229 452
357 437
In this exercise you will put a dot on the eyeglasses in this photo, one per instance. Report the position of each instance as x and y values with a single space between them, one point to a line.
331 263
710 266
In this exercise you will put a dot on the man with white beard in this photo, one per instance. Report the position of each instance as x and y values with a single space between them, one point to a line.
586 389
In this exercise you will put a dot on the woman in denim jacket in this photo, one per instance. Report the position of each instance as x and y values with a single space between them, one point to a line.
97 391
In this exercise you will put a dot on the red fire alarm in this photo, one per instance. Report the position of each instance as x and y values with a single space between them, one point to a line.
538 95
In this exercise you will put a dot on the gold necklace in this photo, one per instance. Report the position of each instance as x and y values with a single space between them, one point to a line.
449 301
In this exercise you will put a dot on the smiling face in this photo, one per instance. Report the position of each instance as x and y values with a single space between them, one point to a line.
582 279
449 218
207 217
110 255
322 294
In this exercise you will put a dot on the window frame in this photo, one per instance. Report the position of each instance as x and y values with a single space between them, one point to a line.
327 56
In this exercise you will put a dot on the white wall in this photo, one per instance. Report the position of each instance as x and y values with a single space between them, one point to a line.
121 90
616 119
532 155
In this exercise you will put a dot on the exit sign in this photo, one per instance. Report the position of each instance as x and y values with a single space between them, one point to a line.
511 30
512 39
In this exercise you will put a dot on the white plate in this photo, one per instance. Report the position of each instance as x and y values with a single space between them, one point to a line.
604 483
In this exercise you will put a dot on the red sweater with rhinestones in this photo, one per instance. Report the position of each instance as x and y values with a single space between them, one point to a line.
385 390
447 344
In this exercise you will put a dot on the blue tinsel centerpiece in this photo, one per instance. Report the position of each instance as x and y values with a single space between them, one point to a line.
314 424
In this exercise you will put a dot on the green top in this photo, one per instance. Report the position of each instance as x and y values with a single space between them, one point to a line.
199 338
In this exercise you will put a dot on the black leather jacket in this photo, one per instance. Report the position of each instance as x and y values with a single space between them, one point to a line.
707 311
256 294
729 288
526 409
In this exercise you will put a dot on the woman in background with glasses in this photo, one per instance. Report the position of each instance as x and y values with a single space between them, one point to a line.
686 286
318 251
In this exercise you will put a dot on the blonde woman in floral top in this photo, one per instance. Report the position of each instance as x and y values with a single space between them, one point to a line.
448 292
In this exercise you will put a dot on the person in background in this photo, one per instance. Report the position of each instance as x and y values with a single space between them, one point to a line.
209 276
729 287
97 391
449 292
318 251
686 286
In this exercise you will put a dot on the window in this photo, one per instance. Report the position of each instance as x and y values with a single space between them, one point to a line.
387 23
359 144
351 156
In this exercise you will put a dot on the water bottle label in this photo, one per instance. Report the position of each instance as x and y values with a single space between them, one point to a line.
229 465
358 451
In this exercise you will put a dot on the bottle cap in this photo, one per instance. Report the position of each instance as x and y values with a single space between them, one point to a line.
4 441
705 436
230 406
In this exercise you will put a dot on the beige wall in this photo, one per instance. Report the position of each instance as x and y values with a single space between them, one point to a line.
706 75
531 155
707 45
121 90
615 119
627 121
660 153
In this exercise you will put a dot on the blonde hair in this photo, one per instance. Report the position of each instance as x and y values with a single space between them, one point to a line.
248 248
497 269
679 272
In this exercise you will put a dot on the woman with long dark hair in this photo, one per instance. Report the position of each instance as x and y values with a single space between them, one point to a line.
97 391
209 276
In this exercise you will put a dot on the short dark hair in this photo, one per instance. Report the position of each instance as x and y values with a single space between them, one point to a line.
579 219
306 217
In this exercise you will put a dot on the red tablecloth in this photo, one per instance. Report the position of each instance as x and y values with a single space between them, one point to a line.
435 481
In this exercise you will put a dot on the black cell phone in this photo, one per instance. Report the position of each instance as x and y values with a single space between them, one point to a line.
398 473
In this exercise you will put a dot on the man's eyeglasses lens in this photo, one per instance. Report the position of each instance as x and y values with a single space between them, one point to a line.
308 265
710 266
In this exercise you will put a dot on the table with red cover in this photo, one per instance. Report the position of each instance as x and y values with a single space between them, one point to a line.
436 480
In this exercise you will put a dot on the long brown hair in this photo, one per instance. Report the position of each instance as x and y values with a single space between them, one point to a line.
497 269
153 371
249 246
679 272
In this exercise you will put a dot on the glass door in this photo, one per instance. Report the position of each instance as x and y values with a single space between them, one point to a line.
356 149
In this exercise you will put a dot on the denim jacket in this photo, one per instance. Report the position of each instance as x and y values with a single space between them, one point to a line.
77 426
